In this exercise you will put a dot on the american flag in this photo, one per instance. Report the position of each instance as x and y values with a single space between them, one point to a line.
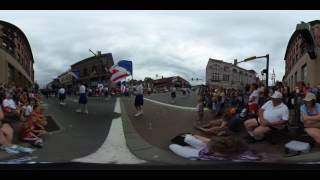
118 73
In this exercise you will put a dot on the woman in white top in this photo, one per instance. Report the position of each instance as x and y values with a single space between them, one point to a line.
83 100
138 103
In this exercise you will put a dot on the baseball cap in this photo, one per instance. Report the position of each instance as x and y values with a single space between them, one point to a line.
277 95
310 97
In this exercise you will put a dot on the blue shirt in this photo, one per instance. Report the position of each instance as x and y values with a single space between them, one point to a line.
304 111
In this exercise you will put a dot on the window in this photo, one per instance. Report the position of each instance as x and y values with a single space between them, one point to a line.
94 69
225 77
295 78
4 44
215 77
304 73
10 73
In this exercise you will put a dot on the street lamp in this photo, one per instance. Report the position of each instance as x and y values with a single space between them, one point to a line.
266 71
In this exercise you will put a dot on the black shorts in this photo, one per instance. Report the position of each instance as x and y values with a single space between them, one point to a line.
139 100
173 94
62 96
83 99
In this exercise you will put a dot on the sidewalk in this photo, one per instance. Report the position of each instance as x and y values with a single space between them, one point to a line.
150 142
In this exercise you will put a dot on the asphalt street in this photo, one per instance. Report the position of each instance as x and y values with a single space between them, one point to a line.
81 134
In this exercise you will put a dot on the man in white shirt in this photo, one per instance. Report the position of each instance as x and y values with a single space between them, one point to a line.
139 99
83 100
62 95
273 115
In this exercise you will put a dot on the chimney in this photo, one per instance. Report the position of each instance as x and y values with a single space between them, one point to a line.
99 53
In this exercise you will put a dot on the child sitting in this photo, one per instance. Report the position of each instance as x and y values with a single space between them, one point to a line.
33 128
218 127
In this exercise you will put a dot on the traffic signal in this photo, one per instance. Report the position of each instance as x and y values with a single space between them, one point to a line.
264 71
191 79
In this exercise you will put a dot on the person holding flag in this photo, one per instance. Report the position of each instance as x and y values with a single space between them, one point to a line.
122 70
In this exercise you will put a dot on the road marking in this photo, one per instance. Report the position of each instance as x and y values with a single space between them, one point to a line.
114 149
174 106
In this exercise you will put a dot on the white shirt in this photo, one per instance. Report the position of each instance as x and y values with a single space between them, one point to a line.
140 90
173 89
82 89
62 91
27 110
275 113
255 93
9 103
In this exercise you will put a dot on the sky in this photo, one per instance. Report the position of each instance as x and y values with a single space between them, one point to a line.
166 43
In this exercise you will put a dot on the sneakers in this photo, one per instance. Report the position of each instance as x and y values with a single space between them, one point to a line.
10 149
23 149
86 112
78 110
138 113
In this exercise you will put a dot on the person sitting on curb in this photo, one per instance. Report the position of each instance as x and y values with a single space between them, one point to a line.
218 127
6 138
273 115
310 116
10 109
216 148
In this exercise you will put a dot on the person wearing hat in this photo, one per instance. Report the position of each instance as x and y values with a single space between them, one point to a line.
274 114
310 116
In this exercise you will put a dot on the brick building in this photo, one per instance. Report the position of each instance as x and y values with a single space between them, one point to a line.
226 75
302 61
169 81
16 59
92 69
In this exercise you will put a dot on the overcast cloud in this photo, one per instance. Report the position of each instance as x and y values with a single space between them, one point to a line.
158 42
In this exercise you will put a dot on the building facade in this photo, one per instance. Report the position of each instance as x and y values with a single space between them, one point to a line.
170 81
226 75
93 69
302 61
66 80
16 59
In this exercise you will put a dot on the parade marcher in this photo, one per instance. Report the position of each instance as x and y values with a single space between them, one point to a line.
173 94
62 95
105 92
83 100
139 99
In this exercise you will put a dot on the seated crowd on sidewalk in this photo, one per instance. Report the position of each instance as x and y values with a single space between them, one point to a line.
257 110
21 118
